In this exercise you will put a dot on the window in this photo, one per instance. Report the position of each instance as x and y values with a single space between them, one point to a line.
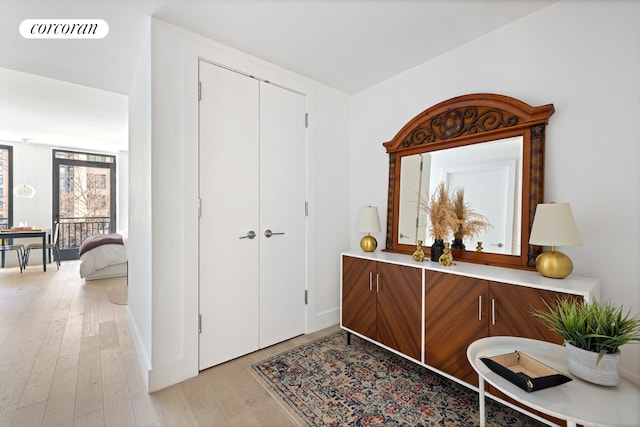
84 197
6 197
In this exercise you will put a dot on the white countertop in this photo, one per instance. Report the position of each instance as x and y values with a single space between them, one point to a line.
587 287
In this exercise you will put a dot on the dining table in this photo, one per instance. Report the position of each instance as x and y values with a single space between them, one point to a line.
11 235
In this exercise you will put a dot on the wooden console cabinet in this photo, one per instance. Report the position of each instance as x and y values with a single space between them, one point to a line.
430 313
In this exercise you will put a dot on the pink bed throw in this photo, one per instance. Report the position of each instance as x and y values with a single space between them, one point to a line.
99 240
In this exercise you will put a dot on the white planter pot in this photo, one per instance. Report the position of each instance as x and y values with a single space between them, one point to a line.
582 364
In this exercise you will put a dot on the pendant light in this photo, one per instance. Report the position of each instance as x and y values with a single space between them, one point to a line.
24 191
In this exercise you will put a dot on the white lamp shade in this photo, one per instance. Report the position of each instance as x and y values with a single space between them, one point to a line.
24 191
553 225
369 220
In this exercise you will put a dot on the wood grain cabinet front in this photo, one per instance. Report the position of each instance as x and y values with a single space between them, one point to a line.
383 302
510 311
455 316
460 310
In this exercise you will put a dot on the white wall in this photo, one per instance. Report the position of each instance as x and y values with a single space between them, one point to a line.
139 249
329 209
172 284
32 165
584 57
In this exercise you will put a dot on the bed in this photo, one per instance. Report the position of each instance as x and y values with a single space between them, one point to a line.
103 256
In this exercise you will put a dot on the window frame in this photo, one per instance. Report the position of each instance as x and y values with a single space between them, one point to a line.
8 186
71 157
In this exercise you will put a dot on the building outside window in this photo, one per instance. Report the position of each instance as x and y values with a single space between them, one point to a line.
83 197
6 199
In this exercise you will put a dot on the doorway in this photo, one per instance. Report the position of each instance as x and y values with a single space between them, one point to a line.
252 229
84 197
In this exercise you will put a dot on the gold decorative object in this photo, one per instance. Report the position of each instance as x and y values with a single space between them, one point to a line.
418 255
446 258
368 243
554 264
479 247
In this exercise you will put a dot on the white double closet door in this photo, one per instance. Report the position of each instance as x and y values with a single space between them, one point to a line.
252 173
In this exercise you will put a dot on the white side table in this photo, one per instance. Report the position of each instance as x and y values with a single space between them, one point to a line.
577 402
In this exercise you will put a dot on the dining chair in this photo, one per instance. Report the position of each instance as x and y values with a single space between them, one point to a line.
19 248
51 246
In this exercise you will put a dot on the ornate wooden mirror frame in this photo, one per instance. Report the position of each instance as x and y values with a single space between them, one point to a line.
466 120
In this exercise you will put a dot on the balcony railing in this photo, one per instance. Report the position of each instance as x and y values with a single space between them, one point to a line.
74 230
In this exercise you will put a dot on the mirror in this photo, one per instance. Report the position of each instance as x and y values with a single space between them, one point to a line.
490 145
490 174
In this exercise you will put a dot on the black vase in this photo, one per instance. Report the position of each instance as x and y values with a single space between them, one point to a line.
457 244
437 249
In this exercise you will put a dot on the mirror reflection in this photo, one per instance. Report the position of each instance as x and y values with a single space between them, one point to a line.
490 174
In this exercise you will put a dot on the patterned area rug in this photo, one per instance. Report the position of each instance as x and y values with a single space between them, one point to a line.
327 382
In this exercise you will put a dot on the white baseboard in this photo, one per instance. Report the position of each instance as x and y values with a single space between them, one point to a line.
141 351
168 374
172 372
325 319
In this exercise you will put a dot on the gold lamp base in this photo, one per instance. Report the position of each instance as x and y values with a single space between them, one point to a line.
368 243
554 264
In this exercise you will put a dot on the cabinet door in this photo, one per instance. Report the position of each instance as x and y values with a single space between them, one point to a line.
511 307
511 311
399 308
456 315
359 296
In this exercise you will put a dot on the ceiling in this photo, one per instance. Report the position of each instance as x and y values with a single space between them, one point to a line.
73 92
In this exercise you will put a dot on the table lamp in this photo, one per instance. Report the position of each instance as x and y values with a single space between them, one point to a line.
369 223
553 225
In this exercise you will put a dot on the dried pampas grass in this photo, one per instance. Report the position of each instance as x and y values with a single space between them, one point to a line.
441 215
470 223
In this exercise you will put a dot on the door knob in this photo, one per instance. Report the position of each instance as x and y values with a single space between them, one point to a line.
250 235
270 233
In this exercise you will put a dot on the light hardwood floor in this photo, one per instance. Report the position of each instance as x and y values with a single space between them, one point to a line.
66 359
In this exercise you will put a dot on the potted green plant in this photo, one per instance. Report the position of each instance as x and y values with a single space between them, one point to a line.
593 333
